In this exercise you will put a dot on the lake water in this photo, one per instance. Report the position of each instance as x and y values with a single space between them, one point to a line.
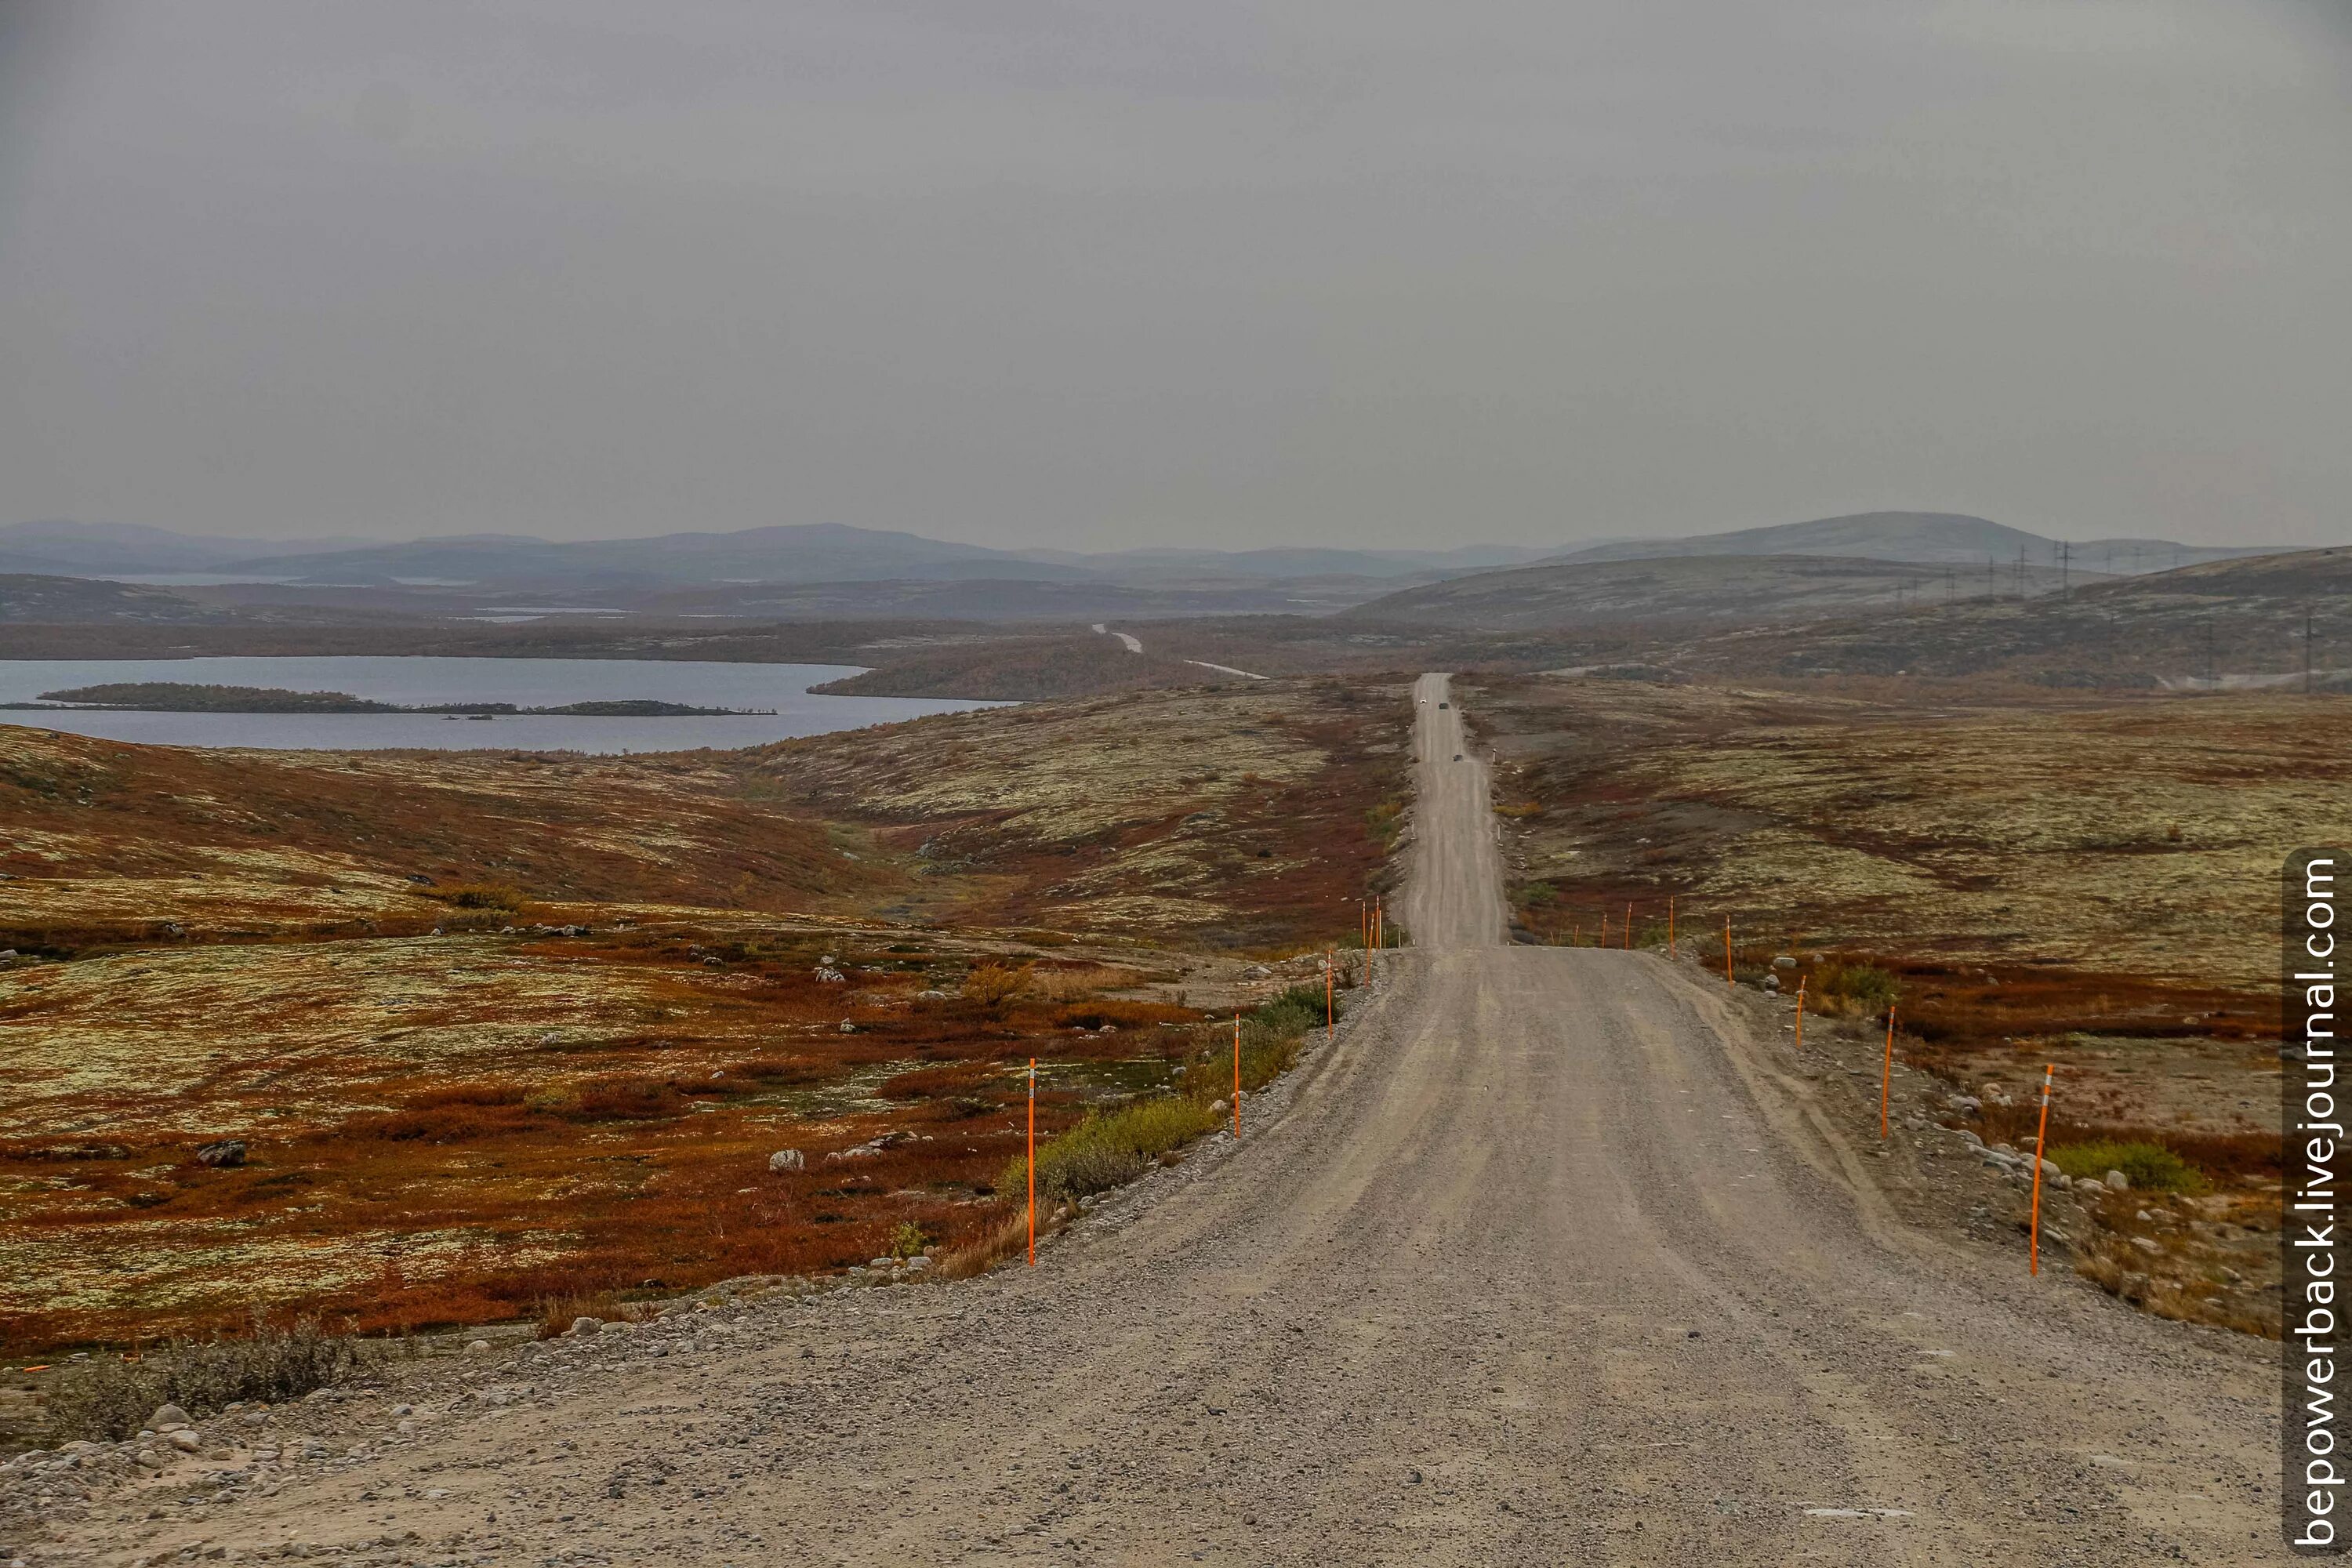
525 682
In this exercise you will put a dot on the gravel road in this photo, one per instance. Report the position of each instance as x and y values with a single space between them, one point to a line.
1543 1260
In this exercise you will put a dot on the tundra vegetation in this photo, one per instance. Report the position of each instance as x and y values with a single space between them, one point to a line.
2029 877
493 1035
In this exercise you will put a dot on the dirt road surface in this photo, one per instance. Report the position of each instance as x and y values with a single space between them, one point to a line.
1541 1262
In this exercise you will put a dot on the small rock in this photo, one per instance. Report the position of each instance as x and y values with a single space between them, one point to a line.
2050 1170
1783 961
185 1441
1772 983
1218 1108
848 1027
2117 1182
226 1152
478 1346
2145 1244
2144 1216
586 1326
167 1417
787 1160
1972 1138
148 1458
1967 1104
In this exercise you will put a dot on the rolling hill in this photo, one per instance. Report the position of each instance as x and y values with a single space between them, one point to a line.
1939 538
1687 592
2226 624
35 599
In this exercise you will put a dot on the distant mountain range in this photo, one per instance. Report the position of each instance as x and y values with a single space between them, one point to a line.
630 574
96 549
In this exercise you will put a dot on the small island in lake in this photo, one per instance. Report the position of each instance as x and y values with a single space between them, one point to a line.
178 696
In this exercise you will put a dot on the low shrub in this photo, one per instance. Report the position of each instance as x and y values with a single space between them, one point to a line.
1110 1147
625 1099
946 1081
107 1399
1294 1012
1101 1010
479 896
1852 988
2150 1167
103 1399
994 988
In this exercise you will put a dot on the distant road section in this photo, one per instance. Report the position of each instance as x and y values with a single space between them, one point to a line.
1133 644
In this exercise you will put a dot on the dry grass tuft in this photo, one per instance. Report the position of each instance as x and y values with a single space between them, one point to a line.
2168 1283
557 1313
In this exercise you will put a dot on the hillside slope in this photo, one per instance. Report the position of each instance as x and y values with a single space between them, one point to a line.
1686 591
2227 624
1940 538
47 600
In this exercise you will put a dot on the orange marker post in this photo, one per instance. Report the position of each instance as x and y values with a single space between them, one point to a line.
1380 931
1604 928
1886 1073
1237 1075
1629 926
1033 1161
1801 1015
1727 980
2033 1254
1330 1026
1669 925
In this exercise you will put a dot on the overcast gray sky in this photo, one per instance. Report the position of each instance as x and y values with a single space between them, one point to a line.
1099 275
